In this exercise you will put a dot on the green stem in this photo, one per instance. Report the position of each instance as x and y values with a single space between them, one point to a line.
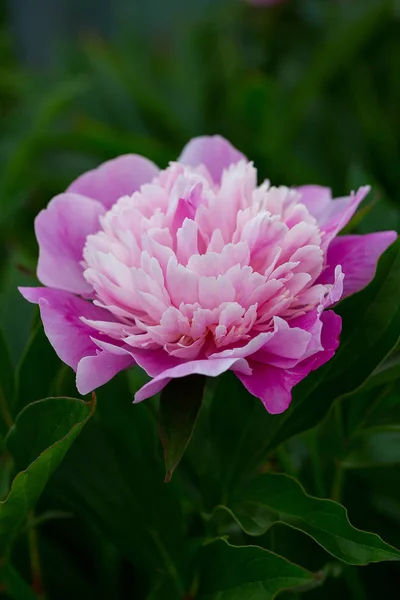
36 569
5 411
354 582
169 563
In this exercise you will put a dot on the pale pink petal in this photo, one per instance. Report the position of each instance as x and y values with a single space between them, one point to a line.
60 312
331 215
336 291
211 368
286 348
61 231
115 178
317 199
358 255
339 214
214 152
248 349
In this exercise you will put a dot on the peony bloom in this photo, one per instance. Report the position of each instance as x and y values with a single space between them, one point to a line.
197 269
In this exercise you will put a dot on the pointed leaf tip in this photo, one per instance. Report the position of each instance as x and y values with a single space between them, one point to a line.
180 404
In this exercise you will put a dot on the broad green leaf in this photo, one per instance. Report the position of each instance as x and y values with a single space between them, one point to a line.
248 573
180 402
387 372
7 385
374 447
37 370
42 434
372 407
273 497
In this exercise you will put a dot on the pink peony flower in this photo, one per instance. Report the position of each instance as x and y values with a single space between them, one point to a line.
197 269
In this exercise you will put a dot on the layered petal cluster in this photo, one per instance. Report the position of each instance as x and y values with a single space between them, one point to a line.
197 269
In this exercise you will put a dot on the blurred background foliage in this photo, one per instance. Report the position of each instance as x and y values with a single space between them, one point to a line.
309 90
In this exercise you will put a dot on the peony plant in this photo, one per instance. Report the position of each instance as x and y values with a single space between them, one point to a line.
198 269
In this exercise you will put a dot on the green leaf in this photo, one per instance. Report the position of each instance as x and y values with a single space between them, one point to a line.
37 370
387 372
249 573
180 402
374 447
271 498
42 434
7 385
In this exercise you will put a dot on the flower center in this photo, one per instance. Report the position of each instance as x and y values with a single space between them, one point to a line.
191 267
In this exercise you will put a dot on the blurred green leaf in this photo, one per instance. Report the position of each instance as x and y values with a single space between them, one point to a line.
249 573
42 434
12 175
16 314
13 584
273 497
180 402
374 447
344 38
7 385
37 370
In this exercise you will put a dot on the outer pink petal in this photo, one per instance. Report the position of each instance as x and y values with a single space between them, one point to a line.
358 255
332 215
214 152
152 361
60 312
115 178
61 231
271 385
339 214
95 371
274 386
317 199
210 367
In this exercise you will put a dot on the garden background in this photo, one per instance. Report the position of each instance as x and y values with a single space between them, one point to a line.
310 91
